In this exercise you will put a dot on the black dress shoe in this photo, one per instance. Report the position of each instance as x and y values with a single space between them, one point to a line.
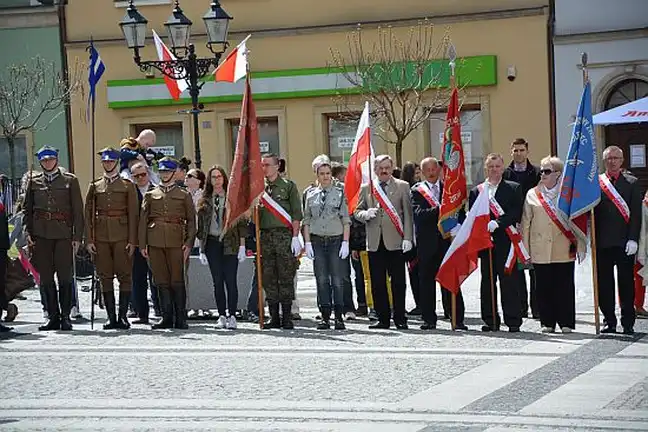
402 326
428 326
415 312
5 329
461 326
487 328
609 329
514 329
379 325
628 331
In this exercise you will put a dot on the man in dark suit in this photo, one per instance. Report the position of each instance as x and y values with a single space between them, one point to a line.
426 199
618 224
506 195
522 171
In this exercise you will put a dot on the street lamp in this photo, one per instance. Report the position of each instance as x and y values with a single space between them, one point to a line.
187 65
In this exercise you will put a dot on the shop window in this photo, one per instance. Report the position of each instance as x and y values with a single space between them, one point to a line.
341 135
169 139
268 135
20 155
471 139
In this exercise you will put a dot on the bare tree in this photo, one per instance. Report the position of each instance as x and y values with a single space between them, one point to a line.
32 95
397 76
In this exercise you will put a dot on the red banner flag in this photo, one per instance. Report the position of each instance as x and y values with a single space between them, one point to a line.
246 183
454 169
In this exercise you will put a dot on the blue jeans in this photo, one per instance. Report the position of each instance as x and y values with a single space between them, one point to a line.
329 271
223 270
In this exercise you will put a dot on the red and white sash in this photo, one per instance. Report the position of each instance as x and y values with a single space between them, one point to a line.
386 205
549 207
276 209
608 188
426 192
517 250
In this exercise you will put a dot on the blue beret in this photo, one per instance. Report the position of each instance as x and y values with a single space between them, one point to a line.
167 164
47 152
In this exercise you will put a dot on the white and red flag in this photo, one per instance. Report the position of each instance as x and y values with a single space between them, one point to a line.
473 236
175 85
235 65
361 161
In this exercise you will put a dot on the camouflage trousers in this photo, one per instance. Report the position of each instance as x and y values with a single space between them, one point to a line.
279 265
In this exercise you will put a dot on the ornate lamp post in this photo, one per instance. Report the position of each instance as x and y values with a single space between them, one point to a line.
188 65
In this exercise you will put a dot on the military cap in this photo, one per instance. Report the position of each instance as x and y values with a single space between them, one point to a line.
47 152
167 164
108 154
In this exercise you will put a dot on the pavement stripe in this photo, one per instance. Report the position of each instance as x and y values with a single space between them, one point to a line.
375 418
593 390
457 392
548 378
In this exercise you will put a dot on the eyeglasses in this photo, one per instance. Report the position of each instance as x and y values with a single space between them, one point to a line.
191 176
546 171
140 175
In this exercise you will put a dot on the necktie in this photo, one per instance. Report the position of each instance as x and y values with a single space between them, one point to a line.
383 185
435 191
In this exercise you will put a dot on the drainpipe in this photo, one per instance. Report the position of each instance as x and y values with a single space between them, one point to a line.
60 10
551 27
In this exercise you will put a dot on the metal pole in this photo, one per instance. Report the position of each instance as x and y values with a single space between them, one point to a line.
194 91
257 228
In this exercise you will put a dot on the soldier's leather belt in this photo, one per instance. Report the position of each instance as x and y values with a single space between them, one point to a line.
171 220
59 216
111 213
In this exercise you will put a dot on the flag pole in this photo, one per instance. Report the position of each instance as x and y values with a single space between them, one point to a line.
597 318
93 282
453 298
259 271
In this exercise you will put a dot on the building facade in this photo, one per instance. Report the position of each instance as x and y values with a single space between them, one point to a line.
615 38
294 85
29 29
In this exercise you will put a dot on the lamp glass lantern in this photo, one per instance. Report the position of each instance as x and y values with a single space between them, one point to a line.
133 26
217 24
178 28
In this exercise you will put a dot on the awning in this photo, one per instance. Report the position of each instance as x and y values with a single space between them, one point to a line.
633 112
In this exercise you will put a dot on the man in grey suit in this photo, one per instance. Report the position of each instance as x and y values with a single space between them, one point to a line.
387 214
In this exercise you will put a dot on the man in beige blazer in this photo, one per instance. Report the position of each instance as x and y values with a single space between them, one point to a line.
387 239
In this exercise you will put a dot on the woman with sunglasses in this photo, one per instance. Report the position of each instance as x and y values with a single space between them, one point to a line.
221 252
553 248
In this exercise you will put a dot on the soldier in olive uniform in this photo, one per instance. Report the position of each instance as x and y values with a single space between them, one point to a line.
112 211
280 245
166 236
54 226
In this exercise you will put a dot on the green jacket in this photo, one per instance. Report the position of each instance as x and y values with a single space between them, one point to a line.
285 193
231 240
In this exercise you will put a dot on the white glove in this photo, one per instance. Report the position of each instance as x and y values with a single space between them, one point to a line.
203 259
371 213
310 253
581 257
296 246
407 246
455 230
344 250
631 247
492 226
241 254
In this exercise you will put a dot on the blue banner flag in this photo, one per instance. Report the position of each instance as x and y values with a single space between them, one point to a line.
95 71
580 191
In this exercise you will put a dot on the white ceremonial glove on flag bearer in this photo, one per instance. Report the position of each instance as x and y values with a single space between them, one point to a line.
492 226
309 250
371 213
296 246
631 247
241 253
344 250
203 259
407 245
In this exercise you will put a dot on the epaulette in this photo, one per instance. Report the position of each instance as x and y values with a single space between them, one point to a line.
68 174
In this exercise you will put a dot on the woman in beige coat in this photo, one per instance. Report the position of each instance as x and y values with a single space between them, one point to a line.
553 249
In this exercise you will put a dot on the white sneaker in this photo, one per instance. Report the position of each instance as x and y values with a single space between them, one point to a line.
566 329
231 322
222 322
547 330
350 316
